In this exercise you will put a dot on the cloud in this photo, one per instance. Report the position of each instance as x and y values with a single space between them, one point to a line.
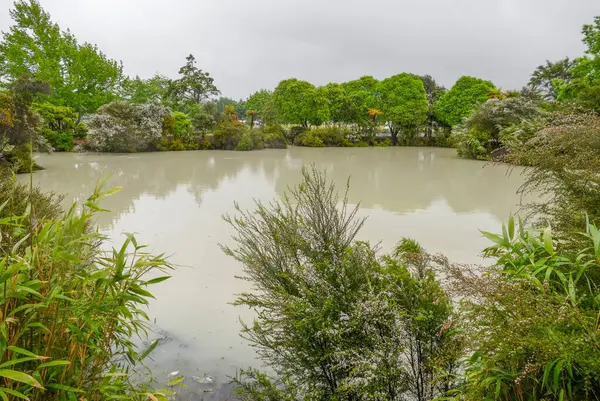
251 45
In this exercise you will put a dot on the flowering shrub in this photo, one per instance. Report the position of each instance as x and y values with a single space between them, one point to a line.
123 127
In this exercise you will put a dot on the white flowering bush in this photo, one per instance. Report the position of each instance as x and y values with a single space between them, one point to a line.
123 127
334 320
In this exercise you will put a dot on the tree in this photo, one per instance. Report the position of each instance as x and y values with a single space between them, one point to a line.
19 123
549 78
80 76
319 106
361 95
258 102
461 99
404 104
337 98
59 125
292 101
193 86
140 91
434 93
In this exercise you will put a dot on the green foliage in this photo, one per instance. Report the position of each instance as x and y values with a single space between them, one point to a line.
531 319
227 135
461 99
404 104
193 86
16 198
309 138
330 315
141 91
565 177
548 79
259 102
483 131
251 140
274 136
293 101
182 126
80 75
77 307
60 127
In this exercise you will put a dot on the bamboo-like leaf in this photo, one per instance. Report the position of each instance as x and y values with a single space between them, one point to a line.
149 349
23 351
15 393
52 363
176 381
20 377
557 372
157 280
547 238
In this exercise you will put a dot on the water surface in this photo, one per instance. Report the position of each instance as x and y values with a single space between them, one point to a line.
174 202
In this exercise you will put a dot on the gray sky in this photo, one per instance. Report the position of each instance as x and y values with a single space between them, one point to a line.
251 44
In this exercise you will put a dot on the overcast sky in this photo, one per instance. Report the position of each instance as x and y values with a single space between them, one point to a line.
251 44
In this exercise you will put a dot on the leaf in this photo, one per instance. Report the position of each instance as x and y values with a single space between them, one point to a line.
3 395
511 227
109 192
547 237
64 388
15 393
23 351
53 363
175 381
557 372
157 280
149 349
493 237
17 361
20 377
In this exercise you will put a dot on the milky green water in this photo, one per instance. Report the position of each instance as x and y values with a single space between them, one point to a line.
174 202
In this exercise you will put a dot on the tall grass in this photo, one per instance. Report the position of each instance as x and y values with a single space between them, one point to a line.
69 311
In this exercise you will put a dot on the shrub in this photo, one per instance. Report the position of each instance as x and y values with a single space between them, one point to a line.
251 140
531 319
565 173
60 127
18 159
293 132
310 139
383 142
176 145
16 198
274 136
333 320
481 133
124 127
77 307
227 134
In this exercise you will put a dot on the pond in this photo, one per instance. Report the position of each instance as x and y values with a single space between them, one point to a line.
174 202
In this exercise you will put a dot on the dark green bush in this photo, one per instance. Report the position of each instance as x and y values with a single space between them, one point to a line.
251 140
309 139
274 136
59 127
227 134
293 132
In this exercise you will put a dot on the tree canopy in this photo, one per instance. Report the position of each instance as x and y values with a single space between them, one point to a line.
80 75
292 100
461 99
404 103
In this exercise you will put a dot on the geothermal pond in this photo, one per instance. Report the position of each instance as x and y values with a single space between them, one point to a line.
174 202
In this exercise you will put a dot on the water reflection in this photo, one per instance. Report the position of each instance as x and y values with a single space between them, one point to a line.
174 201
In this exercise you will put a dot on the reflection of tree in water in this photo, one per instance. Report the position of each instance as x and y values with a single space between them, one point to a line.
152 174
395 179
406 179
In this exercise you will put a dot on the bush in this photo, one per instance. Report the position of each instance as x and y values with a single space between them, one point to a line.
293 132
274 136
531 319
78 308
333 320
251 140
227 134
481 133
18 159
16 198
176 145
565 173
310 139
383 142
124 127
60 127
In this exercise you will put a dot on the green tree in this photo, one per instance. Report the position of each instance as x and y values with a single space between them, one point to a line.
193 86
59 125
461 99
319 106
293 101
81 76
140 91
258 102
338 99
404 104
550 77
